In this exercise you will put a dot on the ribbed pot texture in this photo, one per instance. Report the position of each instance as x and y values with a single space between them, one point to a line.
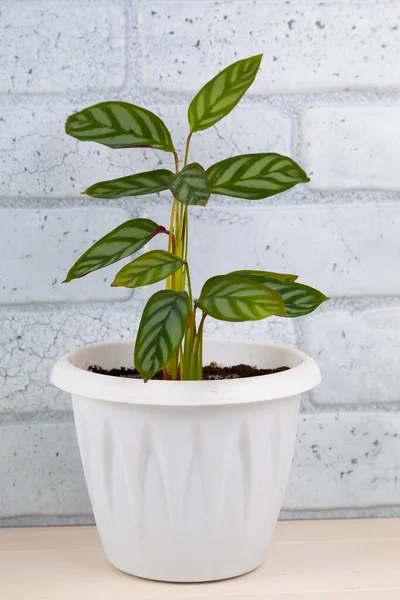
186 479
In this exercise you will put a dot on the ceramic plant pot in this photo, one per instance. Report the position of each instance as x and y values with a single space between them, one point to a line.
186 479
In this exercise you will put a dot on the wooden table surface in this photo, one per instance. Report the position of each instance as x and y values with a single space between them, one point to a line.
307 560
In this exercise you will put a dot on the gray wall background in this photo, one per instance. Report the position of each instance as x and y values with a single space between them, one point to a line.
328 95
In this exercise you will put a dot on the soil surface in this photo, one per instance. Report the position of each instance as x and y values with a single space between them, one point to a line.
211 372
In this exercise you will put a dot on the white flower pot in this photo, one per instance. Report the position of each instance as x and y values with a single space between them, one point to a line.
186 479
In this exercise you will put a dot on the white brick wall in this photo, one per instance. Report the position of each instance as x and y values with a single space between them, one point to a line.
352 147
42 160
31 341
43 474
55 47
345 460
325 245
326 95
359 356
308 45
41 245
340 461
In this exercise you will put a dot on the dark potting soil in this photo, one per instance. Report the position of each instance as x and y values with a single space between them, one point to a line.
211 372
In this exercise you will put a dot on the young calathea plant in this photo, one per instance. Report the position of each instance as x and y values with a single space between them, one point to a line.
170 335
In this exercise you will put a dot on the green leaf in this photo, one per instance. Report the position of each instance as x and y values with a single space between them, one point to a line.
220 95
255 176
161 330
231 298
299 299
262 276
119 125
148 268
119 243
149 182
190 186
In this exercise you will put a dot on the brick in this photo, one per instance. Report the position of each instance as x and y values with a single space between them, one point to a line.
38 158
308 46
324 245
246 130
39 246
345 460
352 147
272 330
31 342
56 47
41 471
359 356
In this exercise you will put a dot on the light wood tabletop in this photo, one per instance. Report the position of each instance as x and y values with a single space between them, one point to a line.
307 560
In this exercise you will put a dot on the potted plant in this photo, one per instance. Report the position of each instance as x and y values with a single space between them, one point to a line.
187 476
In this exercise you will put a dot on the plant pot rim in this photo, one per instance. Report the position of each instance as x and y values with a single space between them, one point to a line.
70 374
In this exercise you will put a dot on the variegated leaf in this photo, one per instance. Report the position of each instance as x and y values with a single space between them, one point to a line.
220 95
299 299
262 276
119 125
190 186
231 298
121 242
148 268
149 182
161 330
255 176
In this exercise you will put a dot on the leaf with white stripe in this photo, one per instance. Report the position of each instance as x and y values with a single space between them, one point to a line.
148 268
139 184
219 96
161 330
121 242
119 125
255 176
190 185
299 299
262 276
231 298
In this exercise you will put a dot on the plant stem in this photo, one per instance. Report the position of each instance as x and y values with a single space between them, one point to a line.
171 240
181 362
185 230
186 221
187 274
185 363
187 150
196 359
190 337
199 371
171 368
171 237
181 218
176 159
173 282
188 345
